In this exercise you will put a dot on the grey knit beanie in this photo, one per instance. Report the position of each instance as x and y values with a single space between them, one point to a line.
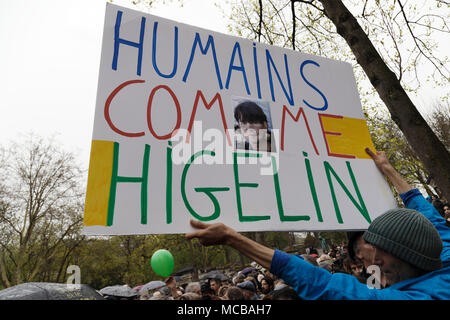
407 235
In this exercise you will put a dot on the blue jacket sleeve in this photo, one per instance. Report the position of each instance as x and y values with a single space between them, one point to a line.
311 282
413 199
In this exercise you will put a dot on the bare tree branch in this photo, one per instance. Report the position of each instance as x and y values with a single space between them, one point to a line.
416 40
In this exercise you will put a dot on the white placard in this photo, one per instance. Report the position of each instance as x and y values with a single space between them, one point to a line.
191 123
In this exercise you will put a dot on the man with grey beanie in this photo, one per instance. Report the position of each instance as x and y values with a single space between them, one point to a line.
410 246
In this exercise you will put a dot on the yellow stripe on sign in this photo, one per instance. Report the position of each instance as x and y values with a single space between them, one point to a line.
346 136
99 183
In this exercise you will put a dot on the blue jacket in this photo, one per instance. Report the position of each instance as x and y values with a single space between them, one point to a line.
313 283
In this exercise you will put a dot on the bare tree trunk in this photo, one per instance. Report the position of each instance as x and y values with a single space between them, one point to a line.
4 277
194 262
242 259
260 238
227 255
430 150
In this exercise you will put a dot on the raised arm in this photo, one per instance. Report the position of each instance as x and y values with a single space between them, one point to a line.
383 164
218 233
413 199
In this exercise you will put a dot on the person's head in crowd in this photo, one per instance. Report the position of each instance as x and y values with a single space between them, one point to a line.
234 293
285 293
332 254
345 250
447 214
405 244
193 287
206 291
253 280
222 291
267 285
359 248
355 267
446 209
439 206
215 285
310 259
165 291
190 296
248 290
279 284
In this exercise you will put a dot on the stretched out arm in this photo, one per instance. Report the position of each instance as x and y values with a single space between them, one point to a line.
218 233
383 164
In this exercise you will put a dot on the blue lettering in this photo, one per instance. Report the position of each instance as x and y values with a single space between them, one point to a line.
255 62
289 96
118 41
241 68
175 56
198 42
325 107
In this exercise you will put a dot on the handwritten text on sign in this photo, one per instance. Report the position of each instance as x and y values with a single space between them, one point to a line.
191 123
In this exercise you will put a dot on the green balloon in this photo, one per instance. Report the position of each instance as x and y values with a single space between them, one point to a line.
162 262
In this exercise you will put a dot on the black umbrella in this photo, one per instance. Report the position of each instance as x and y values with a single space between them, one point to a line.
122 291
183 271
215 274
152 285
178 279
50 291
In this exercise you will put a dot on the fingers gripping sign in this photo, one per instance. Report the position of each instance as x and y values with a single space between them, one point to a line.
382 162
209 234
380 158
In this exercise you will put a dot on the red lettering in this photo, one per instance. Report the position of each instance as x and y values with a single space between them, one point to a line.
108 103
149 112
296 118
208 107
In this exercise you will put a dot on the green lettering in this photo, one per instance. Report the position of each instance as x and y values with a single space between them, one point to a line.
361 206
169 185
312 187
279 201
115 178
208 191
239 185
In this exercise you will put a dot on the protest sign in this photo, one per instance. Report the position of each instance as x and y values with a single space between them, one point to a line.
194 124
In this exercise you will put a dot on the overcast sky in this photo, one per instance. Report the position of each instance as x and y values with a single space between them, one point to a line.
49 61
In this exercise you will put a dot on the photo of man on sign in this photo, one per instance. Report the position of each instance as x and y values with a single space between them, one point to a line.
252 127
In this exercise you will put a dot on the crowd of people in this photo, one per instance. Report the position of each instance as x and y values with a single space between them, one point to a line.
255 282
